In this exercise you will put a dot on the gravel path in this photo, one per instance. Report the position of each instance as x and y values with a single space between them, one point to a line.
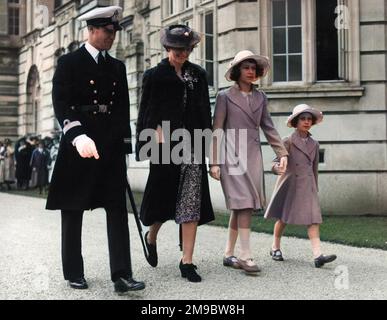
30 264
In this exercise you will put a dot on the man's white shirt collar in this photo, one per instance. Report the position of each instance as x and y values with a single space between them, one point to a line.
94 52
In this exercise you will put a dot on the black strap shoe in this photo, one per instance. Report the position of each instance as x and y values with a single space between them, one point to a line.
188 271
276 255
79 283
321 260
152 252
123 285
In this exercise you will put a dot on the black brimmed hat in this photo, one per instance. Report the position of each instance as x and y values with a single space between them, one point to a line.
179 36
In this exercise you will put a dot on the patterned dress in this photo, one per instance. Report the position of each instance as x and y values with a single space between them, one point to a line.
189 192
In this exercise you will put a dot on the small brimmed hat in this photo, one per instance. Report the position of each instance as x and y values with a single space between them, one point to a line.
179 36
301 108
262 62
103 16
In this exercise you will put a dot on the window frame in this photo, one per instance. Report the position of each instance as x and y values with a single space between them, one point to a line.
308 30
203 45
287 54
14 6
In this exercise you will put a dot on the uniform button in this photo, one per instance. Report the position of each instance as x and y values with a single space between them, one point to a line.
109 112
113 93
95 101
296 175
114 83
95 112
95 91
72 107
92 82
296 164
111 102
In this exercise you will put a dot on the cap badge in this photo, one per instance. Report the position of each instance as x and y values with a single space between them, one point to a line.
115 16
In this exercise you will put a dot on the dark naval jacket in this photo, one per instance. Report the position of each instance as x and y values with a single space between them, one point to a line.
90 99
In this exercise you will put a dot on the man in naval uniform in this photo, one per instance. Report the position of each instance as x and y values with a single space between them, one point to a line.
91 103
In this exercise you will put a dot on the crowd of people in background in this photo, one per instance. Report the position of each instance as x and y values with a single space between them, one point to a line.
27 163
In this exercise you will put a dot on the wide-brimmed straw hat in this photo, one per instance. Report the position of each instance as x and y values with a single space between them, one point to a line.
301 108
179 36
262 62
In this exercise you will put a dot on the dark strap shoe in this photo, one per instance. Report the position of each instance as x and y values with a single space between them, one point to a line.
231 261
79 283
123 285
188 270
321 260
152 252
276 255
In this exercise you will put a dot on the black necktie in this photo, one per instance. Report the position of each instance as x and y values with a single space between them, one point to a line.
101 59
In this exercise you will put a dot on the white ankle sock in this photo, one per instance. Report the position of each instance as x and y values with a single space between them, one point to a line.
244 240
316 247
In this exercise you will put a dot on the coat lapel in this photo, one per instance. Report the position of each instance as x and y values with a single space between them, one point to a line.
258 99
240 101
306 148
311 147
87 59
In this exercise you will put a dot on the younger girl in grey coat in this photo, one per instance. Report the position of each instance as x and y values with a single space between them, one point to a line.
295 198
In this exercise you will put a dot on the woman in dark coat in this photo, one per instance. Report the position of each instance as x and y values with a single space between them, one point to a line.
40 161
175 95
23 169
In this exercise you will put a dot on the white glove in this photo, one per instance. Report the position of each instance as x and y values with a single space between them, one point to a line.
281 168
86 147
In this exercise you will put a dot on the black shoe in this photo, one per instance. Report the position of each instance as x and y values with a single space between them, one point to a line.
152 252
188 271
123 285
276 255
80 283
321 260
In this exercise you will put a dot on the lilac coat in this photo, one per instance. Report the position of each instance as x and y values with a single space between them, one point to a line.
243 183
295 198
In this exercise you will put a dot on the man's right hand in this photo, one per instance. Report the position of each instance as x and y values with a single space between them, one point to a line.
86 147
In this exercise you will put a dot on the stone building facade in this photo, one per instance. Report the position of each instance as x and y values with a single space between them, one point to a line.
331 54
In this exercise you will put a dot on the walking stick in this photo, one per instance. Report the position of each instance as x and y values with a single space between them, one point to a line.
136 217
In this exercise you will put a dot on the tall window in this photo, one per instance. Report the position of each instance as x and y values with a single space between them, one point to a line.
13 17
187 3
331 41
287 44
172 7
58 3
208 28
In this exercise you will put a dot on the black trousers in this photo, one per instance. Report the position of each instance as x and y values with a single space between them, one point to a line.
118 239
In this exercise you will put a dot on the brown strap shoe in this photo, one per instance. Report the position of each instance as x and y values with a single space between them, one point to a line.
248 268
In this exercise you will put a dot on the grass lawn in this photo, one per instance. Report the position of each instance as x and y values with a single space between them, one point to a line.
358 231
